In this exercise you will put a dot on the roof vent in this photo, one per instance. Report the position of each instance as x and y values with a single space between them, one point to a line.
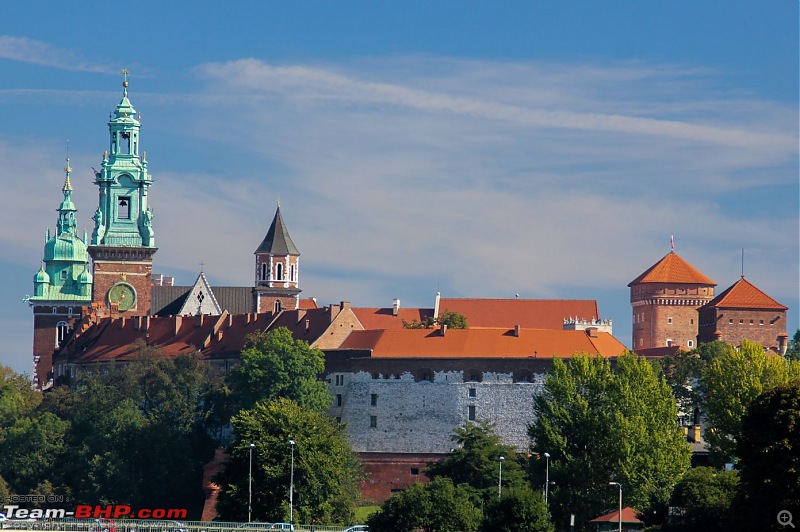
516 330
443 329
395 306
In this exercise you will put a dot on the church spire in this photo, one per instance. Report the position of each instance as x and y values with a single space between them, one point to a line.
66 211
123 216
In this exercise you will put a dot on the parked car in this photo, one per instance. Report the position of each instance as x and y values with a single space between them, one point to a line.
357 528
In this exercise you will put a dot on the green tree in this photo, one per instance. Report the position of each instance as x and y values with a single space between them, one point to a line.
705 494
136 433
17 398
600 425
731 382
326 472
452 319
438 506
34 449
769 459
475 462
520 509
273 365
793 349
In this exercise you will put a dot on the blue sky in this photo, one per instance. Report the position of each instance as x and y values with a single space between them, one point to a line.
548 149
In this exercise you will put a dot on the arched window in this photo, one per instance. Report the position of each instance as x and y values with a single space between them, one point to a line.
277 306
293 274
62 328
264 272
279 272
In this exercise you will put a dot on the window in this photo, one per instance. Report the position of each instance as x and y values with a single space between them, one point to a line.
338 399
669 320
69 311
63 275
415 471
730 321
761 322
62 328
264 272
471 412
473 392
690 343
339 380
279 271
751 322
293 273
691 321
373 399
124 208
741 322
277 306
373 422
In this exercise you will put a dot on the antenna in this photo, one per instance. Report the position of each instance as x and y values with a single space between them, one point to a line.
742 263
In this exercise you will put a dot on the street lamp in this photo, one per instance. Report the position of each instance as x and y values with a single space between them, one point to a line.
546 477
500 478
250 487
291 485
617 484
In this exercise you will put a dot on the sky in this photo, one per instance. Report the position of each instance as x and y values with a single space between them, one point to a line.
480 149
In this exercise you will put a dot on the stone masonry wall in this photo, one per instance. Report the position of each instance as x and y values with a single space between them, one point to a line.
404 415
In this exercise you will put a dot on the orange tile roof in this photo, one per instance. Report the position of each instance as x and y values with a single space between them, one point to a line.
382 318
672 269
527 313
744 294
628 516
496 342
308 303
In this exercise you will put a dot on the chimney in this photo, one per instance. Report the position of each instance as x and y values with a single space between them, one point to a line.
443 329
308 325
436 307
395 306
198 320
516 331
345 305
591 332
178 322
146 323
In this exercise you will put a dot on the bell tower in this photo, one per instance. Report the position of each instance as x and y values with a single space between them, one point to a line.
123 242
61 287
277 270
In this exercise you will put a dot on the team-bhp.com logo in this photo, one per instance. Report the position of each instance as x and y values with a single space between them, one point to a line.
88 511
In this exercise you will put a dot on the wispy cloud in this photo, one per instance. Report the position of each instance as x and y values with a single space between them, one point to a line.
41 53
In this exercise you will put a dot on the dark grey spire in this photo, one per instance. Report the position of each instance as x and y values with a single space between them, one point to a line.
277 241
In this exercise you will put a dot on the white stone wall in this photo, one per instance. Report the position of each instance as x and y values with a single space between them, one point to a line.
419 417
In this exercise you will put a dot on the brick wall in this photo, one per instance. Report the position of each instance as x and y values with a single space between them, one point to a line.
761 326
667 311
388 473
137 274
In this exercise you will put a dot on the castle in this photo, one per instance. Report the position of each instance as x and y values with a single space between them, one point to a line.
401 391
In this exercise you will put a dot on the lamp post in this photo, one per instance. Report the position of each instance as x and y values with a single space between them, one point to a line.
291 485
617 484
250 487
546 477
500 478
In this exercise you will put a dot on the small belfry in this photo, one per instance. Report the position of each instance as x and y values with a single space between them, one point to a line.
123 240
61 287
277 285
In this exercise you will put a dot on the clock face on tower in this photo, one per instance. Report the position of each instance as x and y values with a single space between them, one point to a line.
123 294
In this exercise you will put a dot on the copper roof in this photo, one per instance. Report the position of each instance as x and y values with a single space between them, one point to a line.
744 294
672 269
498 342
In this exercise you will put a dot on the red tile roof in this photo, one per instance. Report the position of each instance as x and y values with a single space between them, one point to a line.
744 294
628 516
116 338
308 303
672 269
382 318
482 343
527 313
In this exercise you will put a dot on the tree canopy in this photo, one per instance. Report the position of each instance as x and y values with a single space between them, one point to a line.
769 459
601 425
705 495
273 365
731 382
326 472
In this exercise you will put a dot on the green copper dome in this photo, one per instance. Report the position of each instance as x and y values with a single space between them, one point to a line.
41 276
